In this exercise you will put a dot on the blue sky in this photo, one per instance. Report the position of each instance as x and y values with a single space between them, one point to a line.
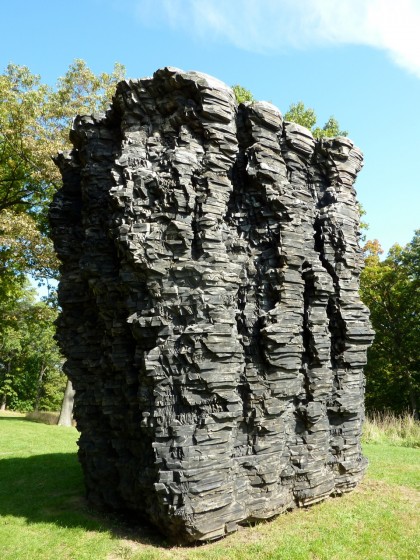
358 60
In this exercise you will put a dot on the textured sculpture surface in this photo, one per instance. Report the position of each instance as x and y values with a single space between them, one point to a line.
210 312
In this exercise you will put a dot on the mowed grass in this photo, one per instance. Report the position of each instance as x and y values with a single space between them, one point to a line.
43 514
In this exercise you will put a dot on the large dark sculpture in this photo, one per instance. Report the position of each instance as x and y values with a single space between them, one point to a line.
210 312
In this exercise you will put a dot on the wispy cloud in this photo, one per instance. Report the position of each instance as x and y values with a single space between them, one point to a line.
277 25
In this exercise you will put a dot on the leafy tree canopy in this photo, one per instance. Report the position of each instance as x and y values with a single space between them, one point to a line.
30 362
306 117
391 290
242 94
299 114
34 125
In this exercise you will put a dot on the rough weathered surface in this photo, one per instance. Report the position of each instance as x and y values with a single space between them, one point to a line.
211 320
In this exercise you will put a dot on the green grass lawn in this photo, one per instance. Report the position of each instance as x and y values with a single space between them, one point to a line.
43 514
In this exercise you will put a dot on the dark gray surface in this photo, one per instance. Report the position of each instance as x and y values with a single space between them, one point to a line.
211 320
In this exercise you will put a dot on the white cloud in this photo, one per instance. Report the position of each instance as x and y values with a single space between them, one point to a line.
276 25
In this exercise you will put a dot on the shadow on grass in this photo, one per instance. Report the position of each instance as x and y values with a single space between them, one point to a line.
49 489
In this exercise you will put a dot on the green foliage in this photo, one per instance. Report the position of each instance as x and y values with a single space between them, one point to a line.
34 125
30 362
391 290
363 226
299 114
330 129
378 520
23 250
306 117
242 94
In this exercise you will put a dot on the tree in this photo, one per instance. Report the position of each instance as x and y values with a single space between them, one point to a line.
299 114
66 413
34 125
306 117
391 290
242 94
41 359
24 249
30 362
11 334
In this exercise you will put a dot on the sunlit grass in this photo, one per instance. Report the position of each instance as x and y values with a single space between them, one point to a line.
43 513
386 427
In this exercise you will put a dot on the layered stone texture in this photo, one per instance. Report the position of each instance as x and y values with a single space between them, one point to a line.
210 319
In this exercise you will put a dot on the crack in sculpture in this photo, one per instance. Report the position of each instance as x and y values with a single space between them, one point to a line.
210 312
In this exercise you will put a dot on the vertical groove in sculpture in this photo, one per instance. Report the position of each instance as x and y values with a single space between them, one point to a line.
211 319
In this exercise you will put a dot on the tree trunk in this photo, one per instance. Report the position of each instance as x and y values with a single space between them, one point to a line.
3 402
39 387
413 402
411 393
66 414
